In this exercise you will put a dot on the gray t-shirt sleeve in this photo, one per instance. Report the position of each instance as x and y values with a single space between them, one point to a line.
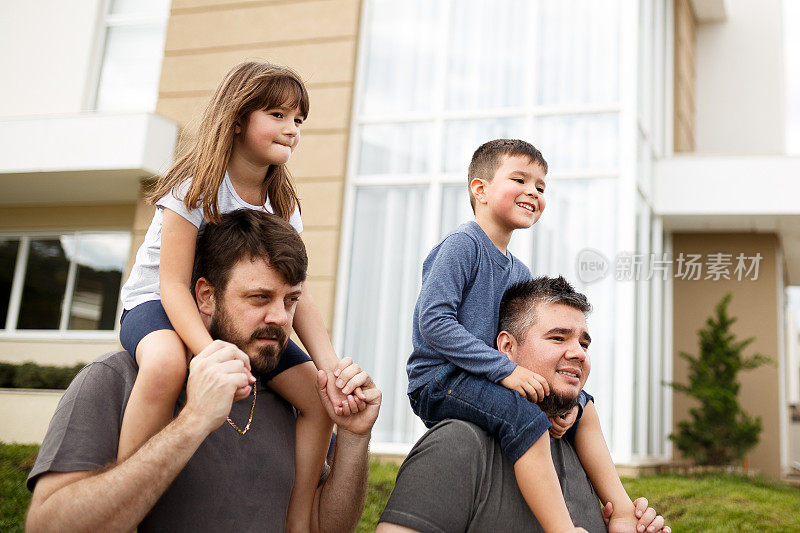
84 431
430 494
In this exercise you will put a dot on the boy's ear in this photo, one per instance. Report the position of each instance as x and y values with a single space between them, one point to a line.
507 344
204 295
478 189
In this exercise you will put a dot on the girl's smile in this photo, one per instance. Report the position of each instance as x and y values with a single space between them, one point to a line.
270 136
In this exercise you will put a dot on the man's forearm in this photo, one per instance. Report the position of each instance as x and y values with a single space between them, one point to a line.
119 497
340 500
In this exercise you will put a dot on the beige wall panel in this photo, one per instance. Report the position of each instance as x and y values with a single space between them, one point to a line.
322 289
118 216
330 109
756 305
321 202
55 352
200 4
185 110
141 222
684 141
25 414
320 155
317 63
684 83
322 247
246 25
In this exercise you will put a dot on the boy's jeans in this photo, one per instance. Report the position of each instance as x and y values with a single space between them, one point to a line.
515 422
454 393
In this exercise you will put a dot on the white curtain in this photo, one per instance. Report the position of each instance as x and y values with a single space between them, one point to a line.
437 80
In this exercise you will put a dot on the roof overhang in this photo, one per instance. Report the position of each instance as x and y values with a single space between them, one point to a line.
733 194
80 159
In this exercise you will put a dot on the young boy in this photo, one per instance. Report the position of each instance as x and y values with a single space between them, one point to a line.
454 370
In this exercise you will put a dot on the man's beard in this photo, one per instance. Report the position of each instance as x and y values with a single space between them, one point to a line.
555 404
262 359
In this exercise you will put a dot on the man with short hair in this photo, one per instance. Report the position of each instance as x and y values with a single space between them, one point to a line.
456 477
221 464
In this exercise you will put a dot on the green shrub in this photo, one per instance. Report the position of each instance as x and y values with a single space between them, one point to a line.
7 372
33 376
719 432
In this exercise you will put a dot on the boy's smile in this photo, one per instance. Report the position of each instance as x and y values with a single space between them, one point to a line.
513 199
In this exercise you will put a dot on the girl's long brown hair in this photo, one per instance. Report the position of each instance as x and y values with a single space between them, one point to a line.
247 87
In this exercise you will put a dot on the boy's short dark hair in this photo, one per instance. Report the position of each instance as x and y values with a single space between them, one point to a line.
489 156
517 308
248 234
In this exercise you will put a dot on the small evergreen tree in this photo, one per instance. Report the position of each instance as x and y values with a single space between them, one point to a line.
719 432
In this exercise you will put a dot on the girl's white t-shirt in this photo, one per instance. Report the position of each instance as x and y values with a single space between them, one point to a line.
143 283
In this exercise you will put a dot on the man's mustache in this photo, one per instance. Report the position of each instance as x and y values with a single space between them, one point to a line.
270 332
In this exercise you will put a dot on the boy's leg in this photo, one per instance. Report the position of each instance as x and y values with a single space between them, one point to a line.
453 393
520 427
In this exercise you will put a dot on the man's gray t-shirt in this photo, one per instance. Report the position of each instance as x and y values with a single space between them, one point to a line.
457 479
232 483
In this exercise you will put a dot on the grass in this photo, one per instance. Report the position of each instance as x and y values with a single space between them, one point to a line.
711 502
720 502
16 460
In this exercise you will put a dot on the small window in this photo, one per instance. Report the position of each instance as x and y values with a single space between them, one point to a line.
62 282
132 52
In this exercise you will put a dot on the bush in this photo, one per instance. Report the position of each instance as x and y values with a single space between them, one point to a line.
33 376
719 432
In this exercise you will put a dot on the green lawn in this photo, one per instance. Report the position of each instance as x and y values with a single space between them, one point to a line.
15 463
697 503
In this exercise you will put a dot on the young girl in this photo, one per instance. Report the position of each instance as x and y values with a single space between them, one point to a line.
248 132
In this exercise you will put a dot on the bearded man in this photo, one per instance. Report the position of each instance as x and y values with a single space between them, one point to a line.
457 479
221 464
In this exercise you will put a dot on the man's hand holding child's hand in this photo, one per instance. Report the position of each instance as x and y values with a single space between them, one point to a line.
528 384
349 379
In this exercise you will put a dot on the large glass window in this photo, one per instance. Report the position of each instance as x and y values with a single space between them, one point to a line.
61 283
436 79
132 53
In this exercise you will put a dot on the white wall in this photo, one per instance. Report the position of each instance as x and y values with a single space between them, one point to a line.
46 52
740 81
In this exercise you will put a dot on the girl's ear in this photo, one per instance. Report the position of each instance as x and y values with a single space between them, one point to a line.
204 294
478 188
507 344
237 129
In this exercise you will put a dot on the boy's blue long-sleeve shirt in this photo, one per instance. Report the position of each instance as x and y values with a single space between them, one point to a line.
456 315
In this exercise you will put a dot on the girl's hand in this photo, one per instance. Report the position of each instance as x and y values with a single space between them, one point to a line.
349 380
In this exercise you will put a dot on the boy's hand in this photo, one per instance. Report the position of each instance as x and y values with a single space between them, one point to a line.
560 424
528 384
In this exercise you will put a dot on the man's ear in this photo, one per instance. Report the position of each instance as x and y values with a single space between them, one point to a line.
477 187
507 344
204 295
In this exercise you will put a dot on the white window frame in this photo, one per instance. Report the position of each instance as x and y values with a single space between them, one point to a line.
8 331
438 178
105 21
654 139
